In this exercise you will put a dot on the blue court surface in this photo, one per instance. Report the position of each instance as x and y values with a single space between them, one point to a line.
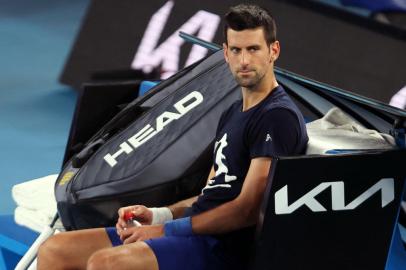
35 109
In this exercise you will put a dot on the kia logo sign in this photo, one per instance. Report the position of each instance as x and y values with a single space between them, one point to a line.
385 186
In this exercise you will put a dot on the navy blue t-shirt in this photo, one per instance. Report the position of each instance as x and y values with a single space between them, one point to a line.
274 127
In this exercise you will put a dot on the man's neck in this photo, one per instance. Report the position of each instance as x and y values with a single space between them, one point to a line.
251 97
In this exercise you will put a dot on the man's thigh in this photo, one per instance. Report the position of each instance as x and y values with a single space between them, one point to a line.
134 256
72 249
178 253
84 241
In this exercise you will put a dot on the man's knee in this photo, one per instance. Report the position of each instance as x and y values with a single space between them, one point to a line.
102 259
134 256
50 246
52 250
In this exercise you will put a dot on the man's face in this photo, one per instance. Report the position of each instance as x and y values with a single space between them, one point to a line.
248 56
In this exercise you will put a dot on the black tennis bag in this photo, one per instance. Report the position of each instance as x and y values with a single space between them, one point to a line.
156 151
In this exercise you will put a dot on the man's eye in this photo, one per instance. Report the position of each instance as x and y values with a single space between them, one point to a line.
253 49
235 50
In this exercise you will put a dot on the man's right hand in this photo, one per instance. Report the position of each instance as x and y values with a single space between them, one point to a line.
142 214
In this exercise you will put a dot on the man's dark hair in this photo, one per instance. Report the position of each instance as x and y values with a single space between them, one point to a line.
249 16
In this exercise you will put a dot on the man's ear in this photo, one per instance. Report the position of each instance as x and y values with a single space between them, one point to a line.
275 50
225 52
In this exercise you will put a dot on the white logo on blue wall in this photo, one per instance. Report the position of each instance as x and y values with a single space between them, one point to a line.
150 54
221 166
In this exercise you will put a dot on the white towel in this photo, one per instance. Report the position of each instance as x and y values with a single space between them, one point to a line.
337 130
36 204
36 194
35 220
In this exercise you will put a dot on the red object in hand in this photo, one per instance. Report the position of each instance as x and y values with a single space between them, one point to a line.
129 218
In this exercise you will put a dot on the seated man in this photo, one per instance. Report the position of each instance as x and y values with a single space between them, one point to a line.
214 230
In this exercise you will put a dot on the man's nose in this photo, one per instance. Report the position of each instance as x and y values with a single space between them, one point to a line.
244 59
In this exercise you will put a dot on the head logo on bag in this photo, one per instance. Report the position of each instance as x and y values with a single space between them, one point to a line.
182 107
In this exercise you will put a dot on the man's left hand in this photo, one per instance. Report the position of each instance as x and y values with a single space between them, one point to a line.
134 234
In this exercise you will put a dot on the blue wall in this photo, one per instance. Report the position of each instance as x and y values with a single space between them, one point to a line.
35 110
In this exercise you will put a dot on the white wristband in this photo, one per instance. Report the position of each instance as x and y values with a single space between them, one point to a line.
160 215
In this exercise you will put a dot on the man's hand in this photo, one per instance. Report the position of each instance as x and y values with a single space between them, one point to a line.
142 215
134 234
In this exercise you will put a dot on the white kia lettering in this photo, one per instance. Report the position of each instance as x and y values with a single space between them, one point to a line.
385 185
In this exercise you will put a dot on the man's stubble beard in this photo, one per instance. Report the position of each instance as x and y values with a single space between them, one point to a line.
249 83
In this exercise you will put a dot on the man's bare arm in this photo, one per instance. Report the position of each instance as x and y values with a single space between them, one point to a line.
236 214
240 212
178 209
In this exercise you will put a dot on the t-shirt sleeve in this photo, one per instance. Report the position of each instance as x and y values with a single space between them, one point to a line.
275 133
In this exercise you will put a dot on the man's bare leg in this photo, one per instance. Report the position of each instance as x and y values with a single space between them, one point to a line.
71 250
134 256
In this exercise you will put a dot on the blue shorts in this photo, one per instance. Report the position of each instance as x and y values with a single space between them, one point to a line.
177 253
